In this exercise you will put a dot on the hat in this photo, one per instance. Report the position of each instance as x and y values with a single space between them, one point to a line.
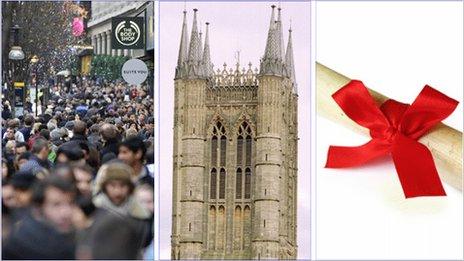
114 170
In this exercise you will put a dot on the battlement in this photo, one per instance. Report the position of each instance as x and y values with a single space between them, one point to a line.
229 86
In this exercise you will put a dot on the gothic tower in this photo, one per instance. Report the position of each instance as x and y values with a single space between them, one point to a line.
235 152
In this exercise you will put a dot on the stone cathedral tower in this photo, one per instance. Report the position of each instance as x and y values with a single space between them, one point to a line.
235 152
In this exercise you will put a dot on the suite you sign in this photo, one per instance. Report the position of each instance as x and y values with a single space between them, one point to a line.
134 71
127 33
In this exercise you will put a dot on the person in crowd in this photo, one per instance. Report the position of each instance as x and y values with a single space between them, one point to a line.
116 197
109 135
83 220
8 194
69 153
47 232
83 174
79 131
21 147
115 190
39 159
144 194
85 136
132 152
109 243
94 137
6 171
22 159
10 151
6 110
27 128
22 183
12 132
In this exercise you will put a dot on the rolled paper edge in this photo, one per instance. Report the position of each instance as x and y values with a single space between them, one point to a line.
444 142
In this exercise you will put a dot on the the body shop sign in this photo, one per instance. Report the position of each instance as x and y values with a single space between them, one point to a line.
127 33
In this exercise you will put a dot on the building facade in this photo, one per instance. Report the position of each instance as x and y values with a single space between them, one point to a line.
99 28
100 25
235 152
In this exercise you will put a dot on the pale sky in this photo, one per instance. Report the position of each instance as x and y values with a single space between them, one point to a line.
234 26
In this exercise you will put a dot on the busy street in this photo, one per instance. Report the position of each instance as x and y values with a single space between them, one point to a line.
77 138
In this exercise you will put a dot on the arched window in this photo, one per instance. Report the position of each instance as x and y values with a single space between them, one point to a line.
218 160
221 228
213 184
239 150
247 183
212 228
248 150
246 227
238 184
222 184
223 150
214 148
244 160
238 225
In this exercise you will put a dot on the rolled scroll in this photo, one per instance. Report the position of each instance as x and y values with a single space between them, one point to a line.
444 142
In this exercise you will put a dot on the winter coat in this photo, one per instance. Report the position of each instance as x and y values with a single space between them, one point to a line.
26 131
132 211
34 239
110 146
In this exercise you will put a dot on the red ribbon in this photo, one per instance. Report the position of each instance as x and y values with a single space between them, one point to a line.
395 128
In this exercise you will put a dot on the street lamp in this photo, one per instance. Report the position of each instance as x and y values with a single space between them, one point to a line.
16 54
34 61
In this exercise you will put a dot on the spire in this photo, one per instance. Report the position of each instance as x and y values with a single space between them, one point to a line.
271 63
208 66
195 41
183 48
201 40
289 63
271 47
279 33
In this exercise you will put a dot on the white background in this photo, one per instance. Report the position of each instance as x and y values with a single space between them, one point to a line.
394 48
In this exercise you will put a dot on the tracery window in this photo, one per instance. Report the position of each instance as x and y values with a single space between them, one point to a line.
222 183
213 184
218 161
238 184
244 161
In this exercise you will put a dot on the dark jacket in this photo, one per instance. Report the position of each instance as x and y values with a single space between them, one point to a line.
146 177
94 140
26 131
79 137
6 113
126 242
33 239
110 146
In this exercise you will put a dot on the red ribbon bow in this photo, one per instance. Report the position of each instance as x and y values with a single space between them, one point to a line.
395 128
